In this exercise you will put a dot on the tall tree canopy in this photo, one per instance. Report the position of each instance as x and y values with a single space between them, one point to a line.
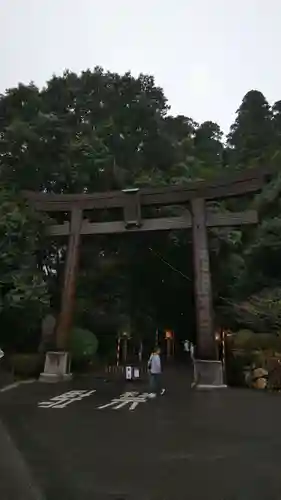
95 131
251 135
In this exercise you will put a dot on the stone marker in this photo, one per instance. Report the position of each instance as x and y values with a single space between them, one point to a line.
57 367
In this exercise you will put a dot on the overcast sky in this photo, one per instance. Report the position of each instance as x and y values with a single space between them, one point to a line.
206 54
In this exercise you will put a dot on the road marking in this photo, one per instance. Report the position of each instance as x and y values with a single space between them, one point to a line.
17 384
10 386
65 399
131 399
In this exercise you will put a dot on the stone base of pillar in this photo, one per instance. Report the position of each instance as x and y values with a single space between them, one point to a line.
57 367
208 374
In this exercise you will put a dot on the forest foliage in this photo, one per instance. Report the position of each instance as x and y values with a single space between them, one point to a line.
100 131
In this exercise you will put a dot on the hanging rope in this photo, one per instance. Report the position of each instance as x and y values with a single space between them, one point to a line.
168 264
227 301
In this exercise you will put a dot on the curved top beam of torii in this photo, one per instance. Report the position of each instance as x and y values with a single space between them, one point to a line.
249 181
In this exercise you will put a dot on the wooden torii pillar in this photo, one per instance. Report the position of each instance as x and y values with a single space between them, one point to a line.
208 370
206 346
64 323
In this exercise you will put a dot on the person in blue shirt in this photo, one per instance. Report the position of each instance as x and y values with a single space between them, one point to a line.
155 373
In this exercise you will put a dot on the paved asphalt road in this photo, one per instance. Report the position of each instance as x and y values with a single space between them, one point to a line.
221 445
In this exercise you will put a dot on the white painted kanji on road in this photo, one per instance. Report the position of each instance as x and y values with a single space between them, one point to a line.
65 399
129 399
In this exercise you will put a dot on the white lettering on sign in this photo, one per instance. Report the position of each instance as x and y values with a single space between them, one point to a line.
65 399
131 399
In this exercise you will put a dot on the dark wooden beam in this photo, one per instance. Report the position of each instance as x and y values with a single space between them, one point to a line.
69 287
160 224
120 226
59 229
206 344
165 196
247 217
250 181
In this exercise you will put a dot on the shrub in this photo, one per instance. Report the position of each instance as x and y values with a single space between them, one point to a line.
236 366
250 341
241 339
83 346
27 365
246 348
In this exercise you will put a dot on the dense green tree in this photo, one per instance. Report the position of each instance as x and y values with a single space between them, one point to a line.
208 145
23 291
276 139
95 131
251 134
254 261
98 131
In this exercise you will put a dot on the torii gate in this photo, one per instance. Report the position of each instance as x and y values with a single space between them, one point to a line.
196 216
